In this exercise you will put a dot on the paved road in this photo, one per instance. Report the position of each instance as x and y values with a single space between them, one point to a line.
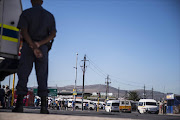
33 114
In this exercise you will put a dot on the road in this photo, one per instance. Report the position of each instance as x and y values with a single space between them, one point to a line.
31 113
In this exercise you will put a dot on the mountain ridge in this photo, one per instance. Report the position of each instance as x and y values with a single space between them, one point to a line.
102 88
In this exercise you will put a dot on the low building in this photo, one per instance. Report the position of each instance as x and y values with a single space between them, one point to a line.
173 103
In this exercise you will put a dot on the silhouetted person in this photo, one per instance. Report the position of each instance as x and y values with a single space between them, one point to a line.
37 27
2 96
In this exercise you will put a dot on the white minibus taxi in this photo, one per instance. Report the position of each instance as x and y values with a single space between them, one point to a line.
78 104
125 106
112 106
148 106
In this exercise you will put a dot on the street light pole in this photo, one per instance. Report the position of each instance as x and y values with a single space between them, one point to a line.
75 82
76 71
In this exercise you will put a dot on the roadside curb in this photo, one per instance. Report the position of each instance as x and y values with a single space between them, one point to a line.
170 114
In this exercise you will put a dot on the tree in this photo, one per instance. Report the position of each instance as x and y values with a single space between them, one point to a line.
133 95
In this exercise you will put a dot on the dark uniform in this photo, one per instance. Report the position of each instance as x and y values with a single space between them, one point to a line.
40 23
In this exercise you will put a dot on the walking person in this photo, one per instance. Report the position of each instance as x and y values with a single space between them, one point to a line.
37 27
2 96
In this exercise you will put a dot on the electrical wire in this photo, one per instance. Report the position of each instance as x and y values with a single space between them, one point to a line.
104 74
97 73
98 68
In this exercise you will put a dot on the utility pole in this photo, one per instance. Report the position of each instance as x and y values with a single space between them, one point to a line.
9 81
84 69
152 93
164 94
118 92
144 94
13 90
107 86
126 95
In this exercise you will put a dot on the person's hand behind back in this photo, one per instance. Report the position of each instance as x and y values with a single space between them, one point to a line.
38 53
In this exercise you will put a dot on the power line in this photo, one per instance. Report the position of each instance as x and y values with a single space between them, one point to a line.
125 83
96 72
104 73
114 77
98 68
125 80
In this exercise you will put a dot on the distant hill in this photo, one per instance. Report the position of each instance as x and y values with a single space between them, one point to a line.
102 88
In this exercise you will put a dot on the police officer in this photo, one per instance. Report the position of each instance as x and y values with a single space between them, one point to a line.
37 27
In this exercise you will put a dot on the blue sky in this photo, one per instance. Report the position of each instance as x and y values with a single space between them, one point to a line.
136 42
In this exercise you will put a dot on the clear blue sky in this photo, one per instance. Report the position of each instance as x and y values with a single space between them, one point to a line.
136 42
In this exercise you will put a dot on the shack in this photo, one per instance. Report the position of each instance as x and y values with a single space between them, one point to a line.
173 103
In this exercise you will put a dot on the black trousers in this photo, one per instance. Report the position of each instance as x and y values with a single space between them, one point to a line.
25 67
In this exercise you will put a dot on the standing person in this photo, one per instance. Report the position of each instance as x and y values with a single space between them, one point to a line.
37 27
35 101
49 103
8 97
57 105
73 105
66 105
2 96
38 101
4 87
161 106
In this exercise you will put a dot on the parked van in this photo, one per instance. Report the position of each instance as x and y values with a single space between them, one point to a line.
125 106
101 104
112 106
148 106
78 104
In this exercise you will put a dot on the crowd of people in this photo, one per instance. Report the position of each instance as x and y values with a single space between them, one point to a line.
56 104
52 104
5 96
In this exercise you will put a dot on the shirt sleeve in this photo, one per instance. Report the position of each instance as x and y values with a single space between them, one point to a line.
53 25
23 23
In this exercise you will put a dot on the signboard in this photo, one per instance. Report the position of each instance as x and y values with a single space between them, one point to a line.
52 92
74 92
170 97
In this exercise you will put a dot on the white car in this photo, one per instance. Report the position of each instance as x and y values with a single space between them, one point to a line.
148 106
